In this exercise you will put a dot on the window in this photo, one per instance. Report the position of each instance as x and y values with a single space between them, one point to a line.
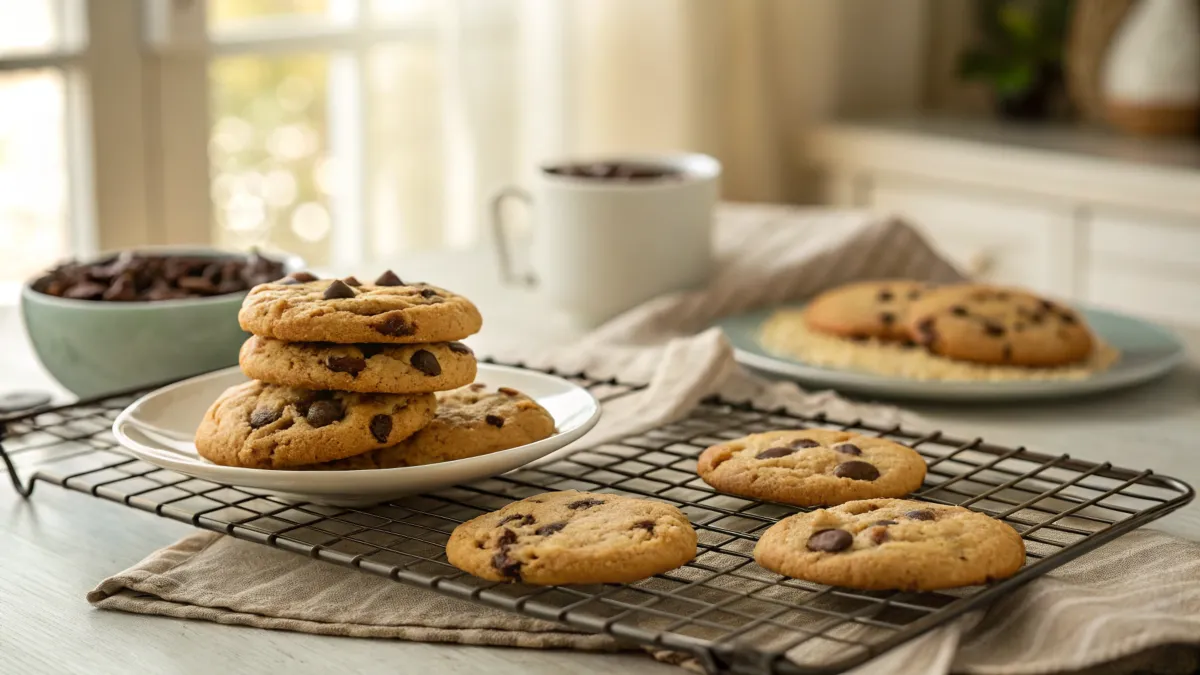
39 50
341 130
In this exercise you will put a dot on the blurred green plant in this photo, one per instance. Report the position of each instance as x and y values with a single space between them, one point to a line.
1020 52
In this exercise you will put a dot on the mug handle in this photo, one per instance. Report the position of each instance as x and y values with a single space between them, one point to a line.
501 235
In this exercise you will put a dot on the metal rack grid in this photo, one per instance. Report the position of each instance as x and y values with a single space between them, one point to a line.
732 615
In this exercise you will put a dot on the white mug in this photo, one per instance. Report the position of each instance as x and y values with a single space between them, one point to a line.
605 243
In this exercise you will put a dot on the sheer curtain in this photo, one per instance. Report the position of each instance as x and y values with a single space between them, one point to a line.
527 80
609 76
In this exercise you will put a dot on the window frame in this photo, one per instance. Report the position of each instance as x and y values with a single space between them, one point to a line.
138 123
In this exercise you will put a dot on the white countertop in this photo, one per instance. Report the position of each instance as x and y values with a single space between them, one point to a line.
58 545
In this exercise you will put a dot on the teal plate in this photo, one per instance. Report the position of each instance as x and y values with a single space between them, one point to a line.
1147 352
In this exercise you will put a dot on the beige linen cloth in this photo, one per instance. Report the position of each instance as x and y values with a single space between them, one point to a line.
1131 606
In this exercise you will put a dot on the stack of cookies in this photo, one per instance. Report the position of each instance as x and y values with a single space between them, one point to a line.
350 375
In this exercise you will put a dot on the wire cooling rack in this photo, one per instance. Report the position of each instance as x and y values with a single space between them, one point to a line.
721 608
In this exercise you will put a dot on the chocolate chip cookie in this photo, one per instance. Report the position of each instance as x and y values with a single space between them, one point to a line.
812 467
865 310
470 421
267 426
995 325
883 544
347 311
573 538
392 369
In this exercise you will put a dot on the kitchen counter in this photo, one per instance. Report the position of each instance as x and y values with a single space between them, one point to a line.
59 544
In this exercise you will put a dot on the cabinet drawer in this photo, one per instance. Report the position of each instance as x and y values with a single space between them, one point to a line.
1144 264
1168 299
994 237
1117 236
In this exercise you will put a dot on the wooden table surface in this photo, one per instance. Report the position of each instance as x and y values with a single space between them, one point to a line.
58 545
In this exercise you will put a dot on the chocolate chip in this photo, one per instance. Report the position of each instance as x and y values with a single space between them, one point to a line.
921 514
993 329
351 281
879 535
885 295
338 289
830 541
506 538
501 561
388 278
519 519
547 530
1037 319
345 364
370 350
1068 318
458 348
647 525
261 417
884 523
85 291
584 504
772 453
507 391
429 293
425 362
494 420
1047 305
133 276
381 427
197 285
304 403
848 448
506 565
394 325
857 337
856 470
478 386
887 318
123 289
804 443
288 281
959 310
323 413
926 332
303 277
230 287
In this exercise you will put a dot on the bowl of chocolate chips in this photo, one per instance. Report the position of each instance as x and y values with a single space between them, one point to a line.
137 318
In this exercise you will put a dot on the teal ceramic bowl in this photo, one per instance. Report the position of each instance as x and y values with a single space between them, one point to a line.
96 347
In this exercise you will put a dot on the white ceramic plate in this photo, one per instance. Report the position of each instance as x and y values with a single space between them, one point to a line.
159 427
1147 352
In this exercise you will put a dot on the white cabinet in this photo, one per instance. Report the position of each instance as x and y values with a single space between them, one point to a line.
1077 213
1143 263
992 238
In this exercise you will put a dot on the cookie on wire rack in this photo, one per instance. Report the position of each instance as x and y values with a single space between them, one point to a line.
812 467
574 537
886 544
